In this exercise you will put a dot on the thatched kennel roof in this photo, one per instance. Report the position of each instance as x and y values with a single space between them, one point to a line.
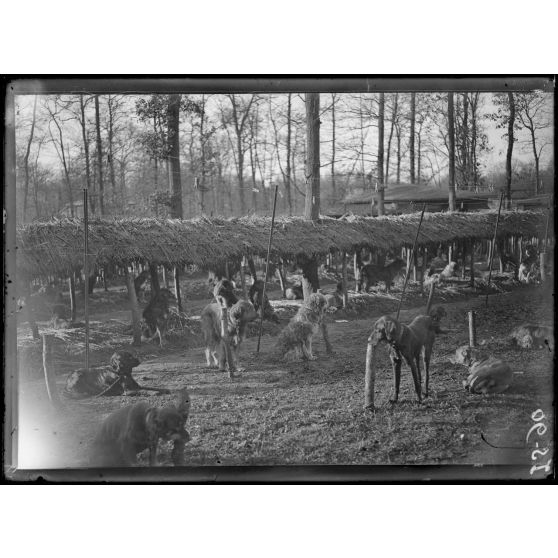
56 247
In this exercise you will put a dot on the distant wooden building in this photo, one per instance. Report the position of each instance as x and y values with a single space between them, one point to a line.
408 198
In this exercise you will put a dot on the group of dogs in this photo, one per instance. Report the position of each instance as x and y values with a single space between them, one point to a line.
132 429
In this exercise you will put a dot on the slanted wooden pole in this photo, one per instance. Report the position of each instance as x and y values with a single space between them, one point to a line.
50 378
492 247
412 258
73 302
86 272
177 292
267 267
472 329
136 328
344 280
423 267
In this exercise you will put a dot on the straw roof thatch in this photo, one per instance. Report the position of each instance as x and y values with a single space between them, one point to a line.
56 247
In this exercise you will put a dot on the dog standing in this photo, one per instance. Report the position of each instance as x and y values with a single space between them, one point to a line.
370 274
240 314
156 315
133 429
302 327
407 342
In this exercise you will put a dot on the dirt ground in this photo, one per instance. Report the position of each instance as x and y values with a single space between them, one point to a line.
278 413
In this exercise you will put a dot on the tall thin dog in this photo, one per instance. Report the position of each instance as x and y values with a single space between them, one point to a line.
409 342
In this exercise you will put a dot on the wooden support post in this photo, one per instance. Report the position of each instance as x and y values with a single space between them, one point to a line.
281 276
542 259
463 258
31 314
369 377
472 329
356 269
136 328
73 302
344 280
50 378
105 285
165 277
430 298
154 275
423 267
472 256
177 292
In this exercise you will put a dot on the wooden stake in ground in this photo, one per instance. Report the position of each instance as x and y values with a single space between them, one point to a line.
492 245
410 260
267 267
136 328
344 280
369 377
472 329
50 379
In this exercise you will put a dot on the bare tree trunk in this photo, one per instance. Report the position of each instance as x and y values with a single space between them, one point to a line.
509 152
175 185
333 185
380 162
86 153
99 156
393 119
134 308
310 281
451 170
26 160
464 141
412 138
111 153
288 156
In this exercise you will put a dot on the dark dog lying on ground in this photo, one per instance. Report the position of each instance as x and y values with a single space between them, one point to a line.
156 315
133 429
370 274
115 379
240 314
255 295
487 374
303 326
528 336
409 342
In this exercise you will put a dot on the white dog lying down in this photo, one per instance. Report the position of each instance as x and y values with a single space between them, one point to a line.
487 374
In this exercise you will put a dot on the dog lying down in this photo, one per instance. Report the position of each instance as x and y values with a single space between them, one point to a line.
135 428
530 336
297 335
487 374
115 379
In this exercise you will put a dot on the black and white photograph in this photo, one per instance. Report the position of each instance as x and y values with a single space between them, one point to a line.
279 279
